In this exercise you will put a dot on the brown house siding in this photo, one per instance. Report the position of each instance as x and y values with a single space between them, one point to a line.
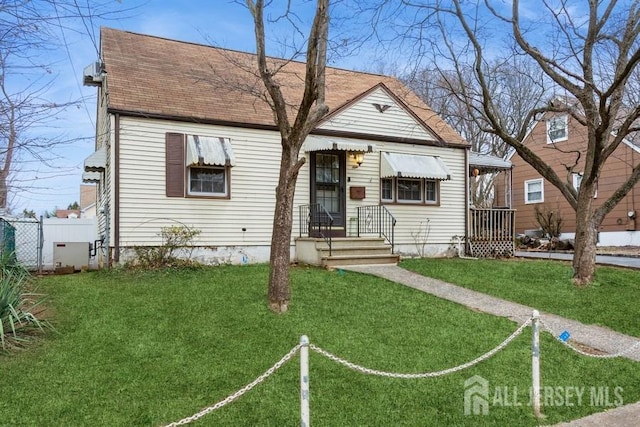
556 155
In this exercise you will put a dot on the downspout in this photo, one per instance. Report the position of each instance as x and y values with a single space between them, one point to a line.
116 190
107 234
466 197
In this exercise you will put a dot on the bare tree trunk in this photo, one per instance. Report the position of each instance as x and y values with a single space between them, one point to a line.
4 188
279 290
584 257
308 114
10 145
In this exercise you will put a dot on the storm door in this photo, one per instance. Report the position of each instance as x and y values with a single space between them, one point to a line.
328 178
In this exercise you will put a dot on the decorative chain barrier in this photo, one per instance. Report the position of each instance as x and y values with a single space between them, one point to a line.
304 346
369 371
585 353
240 392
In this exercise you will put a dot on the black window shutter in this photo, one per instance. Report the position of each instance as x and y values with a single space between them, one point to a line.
175 168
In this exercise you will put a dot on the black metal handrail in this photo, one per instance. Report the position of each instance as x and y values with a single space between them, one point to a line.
316 221
376 219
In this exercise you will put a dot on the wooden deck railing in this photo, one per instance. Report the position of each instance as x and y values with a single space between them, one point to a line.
491 232
492 224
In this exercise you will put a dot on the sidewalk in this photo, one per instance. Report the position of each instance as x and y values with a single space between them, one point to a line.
620 261
596 337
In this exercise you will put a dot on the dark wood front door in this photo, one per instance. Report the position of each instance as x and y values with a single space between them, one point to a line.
328 176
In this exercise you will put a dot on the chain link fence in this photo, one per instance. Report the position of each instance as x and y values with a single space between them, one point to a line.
21 239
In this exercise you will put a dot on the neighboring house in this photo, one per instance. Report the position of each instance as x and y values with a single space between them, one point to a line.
559 139
68 213
185 137
87 201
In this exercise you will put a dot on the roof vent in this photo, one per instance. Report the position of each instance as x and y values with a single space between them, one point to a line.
93 74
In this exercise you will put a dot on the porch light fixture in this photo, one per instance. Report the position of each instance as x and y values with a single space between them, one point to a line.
358 158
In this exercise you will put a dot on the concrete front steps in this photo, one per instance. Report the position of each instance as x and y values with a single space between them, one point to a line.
345 251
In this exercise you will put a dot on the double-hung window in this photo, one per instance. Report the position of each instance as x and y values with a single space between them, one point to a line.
431 191
557 129
534 191
386 189
577 180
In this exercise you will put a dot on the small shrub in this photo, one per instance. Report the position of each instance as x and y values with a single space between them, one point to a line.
174 238
420 236
17 306
550 220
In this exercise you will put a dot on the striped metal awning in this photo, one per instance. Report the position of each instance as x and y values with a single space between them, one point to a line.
398 165
96 162
210 151
317 143
90 177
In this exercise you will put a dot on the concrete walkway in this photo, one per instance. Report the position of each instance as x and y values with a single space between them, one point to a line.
595 337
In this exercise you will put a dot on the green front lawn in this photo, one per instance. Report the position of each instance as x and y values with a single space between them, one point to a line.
151 348
611 301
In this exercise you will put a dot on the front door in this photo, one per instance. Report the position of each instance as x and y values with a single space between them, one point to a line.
328 176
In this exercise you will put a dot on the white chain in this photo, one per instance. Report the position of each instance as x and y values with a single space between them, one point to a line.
240 392
369 371
584 353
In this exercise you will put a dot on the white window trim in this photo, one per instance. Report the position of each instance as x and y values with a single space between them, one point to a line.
577 187
576 178
437 192
566 128
526 191
393 195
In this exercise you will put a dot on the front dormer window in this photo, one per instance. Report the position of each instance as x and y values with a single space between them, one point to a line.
557 129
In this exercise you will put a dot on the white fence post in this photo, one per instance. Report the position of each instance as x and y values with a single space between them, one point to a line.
535 364
304 381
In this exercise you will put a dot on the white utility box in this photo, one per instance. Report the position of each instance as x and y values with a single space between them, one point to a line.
66 254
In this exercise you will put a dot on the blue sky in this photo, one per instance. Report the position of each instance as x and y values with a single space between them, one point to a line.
223 23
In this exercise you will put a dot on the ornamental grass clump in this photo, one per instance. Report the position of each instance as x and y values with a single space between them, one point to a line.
18 306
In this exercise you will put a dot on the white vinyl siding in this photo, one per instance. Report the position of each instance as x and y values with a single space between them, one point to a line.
246 217
144 207
446 219
363 117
